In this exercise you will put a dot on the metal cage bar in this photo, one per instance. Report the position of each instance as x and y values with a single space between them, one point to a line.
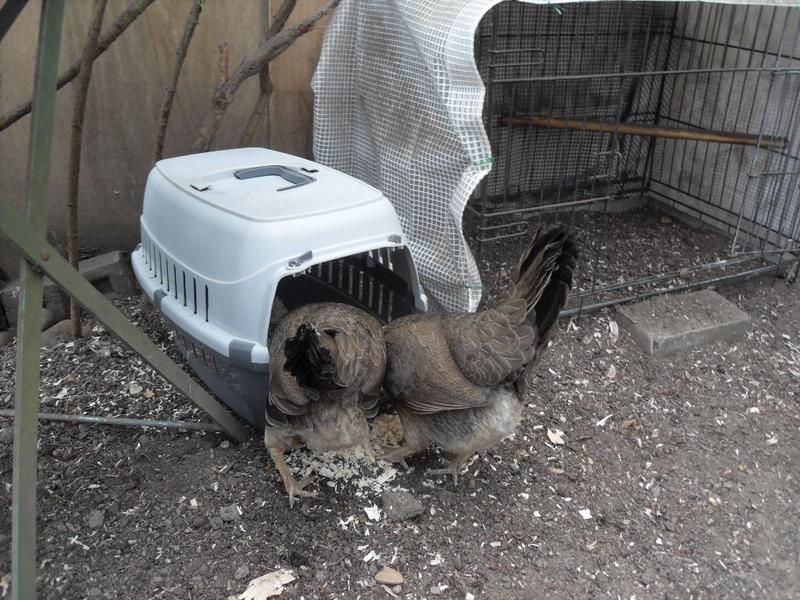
606 107
38 259
26 394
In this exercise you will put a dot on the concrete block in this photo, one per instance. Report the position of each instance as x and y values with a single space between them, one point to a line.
108 272
6 337
679 322
58 333
55 301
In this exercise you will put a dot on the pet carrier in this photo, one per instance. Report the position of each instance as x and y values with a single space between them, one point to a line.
231 239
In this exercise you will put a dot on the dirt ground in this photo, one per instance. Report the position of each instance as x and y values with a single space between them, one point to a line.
679 478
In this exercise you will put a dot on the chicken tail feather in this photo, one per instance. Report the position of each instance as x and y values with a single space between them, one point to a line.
543 276
309 362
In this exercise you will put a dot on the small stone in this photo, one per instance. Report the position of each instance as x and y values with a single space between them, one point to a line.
95 519
6 337
664 220
229 513
242 572
647 577
397 589
435 590
400 506
134 389
7 435
388 576
216 522
199 522
225 444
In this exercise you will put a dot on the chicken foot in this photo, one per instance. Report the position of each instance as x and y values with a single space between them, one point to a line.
398 455
293 487
453 467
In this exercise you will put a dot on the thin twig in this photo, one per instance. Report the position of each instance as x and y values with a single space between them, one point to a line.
260 111
169 94
78 113
224 61
272 47
128 16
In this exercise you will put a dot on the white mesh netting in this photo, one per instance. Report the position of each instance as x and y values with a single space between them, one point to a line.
398 104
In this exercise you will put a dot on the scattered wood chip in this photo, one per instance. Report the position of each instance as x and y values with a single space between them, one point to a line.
614 329
555 437
604 420
268 585
628 423
389 576
373 512
591 546
612 372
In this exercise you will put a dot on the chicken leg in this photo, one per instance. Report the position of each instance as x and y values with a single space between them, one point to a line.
293 487
453 468
398 455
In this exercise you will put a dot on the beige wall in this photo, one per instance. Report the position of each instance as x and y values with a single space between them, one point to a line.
124 100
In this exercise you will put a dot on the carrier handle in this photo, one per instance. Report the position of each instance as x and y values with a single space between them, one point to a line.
292 176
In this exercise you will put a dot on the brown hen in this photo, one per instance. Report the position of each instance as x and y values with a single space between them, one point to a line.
328 363
450 374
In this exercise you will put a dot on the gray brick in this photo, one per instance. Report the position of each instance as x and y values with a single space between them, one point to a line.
108 272
680 322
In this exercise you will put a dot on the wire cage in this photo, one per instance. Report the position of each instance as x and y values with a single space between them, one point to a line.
627 119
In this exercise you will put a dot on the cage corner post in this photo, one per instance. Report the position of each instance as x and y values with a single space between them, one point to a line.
26 396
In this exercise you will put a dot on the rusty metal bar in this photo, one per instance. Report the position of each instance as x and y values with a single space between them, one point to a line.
675 133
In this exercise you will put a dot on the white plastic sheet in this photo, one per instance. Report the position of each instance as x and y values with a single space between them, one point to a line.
398 103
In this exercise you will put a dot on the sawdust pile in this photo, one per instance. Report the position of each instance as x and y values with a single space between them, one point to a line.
359 469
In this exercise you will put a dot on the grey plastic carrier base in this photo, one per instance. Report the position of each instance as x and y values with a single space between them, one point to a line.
225 233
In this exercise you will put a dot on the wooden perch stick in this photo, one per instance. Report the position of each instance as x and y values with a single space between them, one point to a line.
169 94
128 16
675 133
270 48
78 114
260 111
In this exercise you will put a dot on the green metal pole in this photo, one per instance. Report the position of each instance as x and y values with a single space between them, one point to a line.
45 259
9 14
26 397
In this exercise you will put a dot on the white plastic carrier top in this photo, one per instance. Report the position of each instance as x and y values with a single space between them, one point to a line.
221 229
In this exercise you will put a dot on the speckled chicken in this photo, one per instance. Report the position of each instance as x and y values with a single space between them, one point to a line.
450 374
328 363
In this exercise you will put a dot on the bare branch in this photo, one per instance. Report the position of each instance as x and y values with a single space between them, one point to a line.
270 48
261 107
78 113
280 18
128 16
172 85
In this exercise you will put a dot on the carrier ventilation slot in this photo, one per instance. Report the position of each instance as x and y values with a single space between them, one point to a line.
174 279
369 280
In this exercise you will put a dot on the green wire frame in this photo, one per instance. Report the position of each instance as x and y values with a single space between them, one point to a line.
38 259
